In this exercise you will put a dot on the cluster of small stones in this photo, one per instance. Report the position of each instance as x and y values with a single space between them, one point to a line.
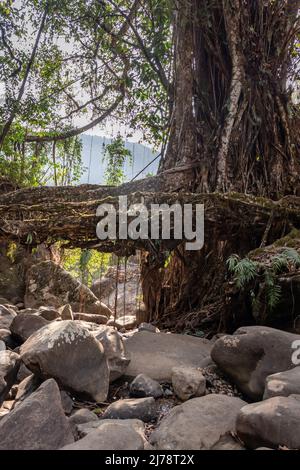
217 383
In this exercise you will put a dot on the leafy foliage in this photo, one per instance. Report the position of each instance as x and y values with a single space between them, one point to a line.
273 290
63 63
33 165
246 271
92 58
86 265
116 154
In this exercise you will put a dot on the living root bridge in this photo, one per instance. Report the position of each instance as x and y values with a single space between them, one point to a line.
68 214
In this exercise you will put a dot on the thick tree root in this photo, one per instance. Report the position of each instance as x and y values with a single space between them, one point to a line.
175 282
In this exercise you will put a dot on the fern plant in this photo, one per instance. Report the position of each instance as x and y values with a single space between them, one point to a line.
245 271
273 290
289 257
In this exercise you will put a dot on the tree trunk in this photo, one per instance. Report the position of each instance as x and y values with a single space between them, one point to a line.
233 128
233 119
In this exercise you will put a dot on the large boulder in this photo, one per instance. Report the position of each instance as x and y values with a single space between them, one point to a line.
128 292
253 353
6 317
49 284
132 408
38 423
111 435
115 351
69 353
198 424
271 423
102 288
24 325
9 366
156 354
283 384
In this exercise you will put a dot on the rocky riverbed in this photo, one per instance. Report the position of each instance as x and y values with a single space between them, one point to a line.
86 380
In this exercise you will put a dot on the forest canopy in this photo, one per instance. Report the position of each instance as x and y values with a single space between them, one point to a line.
68 66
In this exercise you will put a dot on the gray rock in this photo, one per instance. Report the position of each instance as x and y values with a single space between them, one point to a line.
27 387
11 276
103 287
6 317
67 402
12 307
156 355
29 311
198 424
49 284
24 325
9 366
86 428
66 312
6 337
8 405
3 412
143 409
115 351
283 384
228 442
82 416
89 317
112 435
188 382
253 353
38 423
127 322
69 353
144 386
48 313
271 423
148 327
23 373
263 448
2 346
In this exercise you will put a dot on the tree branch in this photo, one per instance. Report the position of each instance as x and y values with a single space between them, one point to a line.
156 65
10 51
11 118
77 130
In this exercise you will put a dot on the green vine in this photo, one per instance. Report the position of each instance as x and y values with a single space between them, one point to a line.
115 155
